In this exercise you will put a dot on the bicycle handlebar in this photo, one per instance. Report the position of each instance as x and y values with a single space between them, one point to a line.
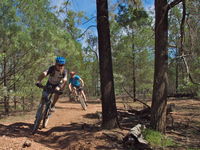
53 90
40 85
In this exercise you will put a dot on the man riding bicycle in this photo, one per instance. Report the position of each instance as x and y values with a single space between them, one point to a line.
76 82
57 80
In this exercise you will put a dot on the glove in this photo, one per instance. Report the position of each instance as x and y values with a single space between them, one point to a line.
57 88
38 84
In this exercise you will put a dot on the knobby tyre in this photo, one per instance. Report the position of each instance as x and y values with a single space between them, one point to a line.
46 116
38 119
81 99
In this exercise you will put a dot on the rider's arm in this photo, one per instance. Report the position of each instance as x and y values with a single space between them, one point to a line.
82 83
62 85
41 77
63 82
44 74
70 87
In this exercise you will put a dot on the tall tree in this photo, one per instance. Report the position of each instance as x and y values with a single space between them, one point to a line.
132 16
109 111
160 87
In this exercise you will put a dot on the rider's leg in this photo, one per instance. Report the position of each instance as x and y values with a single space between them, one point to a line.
75 91
44 98
56 97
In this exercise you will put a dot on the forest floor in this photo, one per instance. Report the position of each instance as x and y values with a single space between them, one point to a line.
72 128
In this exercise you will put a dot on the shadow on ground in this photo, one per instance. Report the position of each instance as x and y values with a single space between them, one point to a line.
72 136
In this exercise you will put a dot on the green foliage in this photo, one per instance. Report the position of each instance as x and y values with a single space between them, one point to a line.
191 48
31 36
132 43
130 16
156 139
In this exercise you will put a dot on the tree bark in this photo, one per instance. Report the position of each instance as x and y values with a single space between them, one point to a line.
6 99
134 72
109 111
159 98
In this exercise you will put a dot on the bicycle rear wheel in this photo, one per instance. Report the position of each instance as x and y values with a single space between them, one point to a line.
38 119
83 104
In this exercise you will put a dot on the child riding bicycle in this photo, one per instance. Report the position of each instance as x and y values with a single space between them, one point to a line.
57 80
75 82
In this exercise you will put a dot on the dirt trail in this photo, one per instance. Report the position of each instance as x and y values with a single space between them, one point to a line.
69 127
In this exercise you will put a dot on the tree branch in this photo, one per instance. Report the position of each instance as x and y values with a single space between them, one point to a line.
174 3
88 20
166 8
86 30
135 99
188 71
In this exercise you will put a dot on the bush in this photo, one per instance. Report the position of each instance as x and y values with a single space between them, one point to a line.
155 139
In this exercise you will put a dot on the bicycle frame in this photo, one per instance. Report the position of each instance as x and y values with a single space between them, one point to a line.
43 112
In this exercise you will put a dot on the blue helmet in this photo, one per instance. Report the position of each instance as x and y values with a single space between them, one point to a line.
60 60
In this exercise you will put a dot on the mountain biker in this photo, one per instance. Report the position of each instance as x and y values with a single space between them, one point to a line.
57 80
75 81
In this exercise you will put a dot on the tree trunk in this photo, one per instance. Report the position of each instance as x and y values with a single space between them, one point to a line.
159 98
6 99
177 76
109 111
14 86
134 73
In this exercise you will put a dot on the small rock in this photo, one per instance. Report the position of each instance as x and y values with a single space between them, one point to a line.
27 143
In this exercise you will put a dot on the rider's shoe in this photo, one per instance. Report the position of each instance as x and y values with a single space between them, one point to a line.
52 109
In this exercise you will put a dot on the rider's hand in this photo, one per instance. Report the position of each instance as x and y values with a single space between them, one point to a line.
38 84
57 88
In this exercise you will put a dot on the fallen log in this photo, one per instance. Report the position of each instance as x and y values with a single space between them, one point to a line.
135 140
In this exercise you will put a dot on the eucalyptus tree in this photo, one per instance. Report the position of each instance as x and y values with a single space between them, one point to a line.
179 79
132 25
92 56
160 87
191 46
109 110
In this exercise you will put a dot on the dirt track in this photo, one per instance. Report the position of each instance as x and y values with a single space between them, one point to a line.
72 128
69 127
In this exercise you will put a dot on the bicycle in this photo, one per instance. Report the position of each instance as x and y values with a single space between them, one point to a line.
43 111
77 96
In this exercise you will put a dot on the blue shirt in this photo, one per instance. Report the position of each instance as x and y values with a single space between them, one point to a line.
75 80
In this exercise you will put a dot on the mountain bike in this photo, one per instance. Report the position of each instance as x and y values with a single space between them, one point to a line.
43 111
77 96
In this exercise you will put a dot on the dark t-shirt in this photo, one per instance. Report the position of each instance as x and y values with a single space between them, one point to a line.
55 76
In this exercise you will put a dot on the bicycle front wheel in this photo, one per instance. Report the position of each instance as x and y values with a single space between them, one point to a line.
46 116
38 118
82 101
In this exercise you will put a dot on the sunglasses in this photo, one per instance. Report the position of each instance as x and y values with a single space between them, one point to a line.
60 65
